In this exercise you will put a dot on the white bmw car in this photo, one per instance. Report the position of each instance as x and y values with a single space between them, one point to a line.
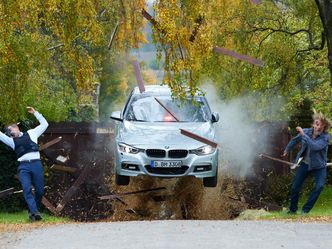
149 140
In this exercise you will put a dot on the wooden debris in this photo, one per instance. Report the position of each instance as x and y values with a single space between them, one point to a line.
276 159
139 78
256 2
62 159
162 105
73 189
63 168
198 23
50 143
160 198
236 55
48 205
198 138
153 21
113 196
6 192
113 36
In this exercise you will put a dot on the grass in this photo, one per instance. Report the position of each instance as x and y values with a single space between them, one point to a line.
322 208
22 218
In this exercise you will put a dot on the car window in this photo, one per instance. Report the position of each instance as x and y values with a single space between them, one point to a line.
147 109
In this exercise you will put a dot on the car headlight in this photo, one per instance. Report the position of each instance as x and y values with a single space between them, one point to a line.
128 149
204 150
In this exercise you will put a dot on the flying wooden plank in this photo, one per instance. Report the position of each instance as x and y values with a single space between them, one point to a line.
162 105
73 189
113 36
48 205
63 168
113 196
50 143
256 2
198 138
236 55
6 192
139 77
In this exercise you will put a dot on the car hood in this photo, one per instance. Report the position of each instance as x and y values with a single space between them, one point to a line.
160 134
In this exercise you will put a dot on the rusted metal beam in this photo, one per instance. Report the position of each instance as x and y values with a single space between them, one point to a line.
162 105
50 143
113 196
198 138
6 192
139 77
73 189
63 168
236 55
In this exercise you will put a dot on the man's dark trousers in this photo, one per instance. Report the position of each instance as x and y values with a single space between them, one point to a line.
31 174
301 174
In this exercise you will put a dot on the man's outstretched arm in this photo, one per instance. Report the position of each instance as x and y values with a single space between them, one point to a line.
43 124
7 140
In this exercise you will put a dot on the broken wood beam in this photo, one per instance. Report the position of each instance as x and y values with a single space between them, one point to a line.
239 56
139 77
48 205
153 21
198 138
198 23
276 159
113 196
50 143
6 192
113 36
63 168
73 189
163 106
256 2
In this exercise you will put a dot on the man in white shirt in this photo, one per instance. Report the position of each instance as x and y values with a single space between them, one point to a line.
30 168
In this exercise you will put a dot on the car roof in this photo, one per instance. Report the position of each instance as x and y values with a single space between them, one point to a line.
156 90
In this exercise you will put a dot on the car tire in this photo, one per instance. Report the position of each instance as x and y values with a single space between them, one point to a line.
121 180
211 182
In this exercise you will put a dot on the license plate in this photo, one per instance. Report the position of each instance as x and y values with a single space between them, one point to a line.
166 164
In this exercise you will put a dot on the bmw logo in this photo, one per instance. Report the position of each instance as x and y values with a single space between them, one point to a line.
166 147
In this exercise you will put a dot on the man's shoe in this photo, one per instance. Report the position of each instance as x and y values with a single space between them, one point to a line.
32 217
304 213
35 217
38 217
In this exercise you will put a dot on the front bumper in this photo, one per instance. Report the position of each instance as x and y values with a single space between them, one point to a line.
200 166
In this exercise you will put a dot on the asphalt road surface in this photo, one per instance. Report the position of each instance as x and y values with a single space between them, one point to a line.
174 234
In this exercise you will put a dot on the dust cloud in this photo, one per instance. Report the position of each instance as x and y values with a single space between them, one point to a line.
240 138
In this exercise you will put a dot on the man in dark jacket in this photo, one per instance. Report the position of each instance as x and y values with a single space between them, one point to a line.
314 145
30 167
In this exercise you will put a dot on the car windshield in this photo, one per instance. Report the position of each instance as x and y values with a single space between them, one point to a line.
165 109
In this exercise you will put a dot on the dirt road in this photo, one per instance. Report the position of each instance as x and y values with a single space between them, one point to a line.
174 234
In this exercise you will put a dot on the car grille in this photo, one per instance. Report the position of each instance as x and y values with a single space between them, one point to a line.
167 171
177 153
162 153
156 153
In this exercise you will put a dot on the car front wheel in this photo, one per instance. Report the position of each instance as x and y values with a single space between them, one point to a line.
211 182
121 180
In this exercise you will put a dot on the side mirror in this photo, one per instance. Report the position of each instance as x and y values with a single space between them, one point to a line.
116 116
215 117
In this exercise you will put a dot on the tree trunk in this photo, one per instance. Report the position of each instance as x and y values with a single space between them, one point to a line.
325 13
